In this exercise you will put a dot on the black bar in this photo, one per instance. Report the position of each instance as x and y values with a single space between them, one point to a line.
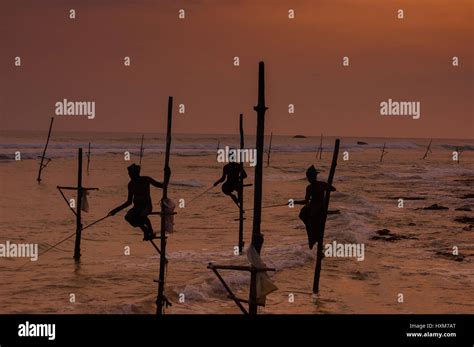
265 330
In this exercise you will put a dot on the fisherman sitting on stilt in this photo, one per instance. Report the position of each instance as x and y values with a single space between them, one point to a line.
312 211
231 172
139 195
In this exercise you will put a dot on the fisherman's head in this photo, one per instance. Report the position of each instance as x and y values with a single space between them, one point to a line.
134 171
312 174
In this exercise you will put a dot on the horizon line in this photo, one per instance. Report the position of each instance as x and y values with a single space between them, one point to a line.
236 134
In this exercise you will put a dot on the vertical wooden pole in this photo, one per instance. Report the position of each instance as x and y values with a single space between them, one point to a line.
320 149
141 150
383 152
319 254
428 149
44 150
77 247
269 149
160 300
257 238
241 188
88 158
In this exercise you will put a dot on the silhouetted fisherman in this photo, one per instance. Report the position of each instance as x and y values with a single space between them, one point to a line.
312 212
139 195
231 176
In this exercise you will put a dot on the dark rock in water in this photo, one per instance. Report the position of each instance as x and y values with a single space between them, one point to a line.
467 196
386 238
383 232
359 276
451 256
463 208
387 235
299 137
468 227
464 219
434 207
411 224
362 143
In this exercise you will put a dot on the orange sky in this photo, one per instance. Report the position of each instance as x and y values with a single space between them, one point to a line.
191 59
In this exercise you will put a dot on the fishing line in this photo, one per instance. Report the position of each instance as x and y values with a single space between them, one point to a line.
67 238
201 194
251 209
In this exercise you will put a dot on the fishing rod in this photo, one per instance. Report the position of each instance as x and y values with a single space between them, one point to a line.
67 238
201 194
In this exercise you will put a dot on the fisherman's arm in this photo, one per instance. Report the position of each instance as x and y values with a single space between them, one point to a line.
124 205
155 183
222 179
306 198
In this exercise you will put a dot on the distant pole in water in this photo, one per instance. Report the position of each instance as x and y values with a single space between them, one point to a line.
241 188
319 252
43 157
77 246
88 158
269 149
218 147
383 152
257 237
428 149
141 150
320 148
161 299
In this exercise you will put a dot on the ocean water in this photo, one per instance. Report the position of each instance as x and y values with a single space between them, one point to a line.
420 265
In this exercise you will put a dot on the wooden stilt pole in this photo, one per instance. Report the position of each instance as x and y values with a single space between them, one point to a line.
41 167
88 158
383 152
141 150
80 191
257 237
241 188
77 246
269 149
319 254
161 299
428 149
320 148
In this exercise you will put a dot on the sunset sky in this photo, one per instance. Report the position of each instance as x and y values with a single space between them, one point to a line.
192 60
